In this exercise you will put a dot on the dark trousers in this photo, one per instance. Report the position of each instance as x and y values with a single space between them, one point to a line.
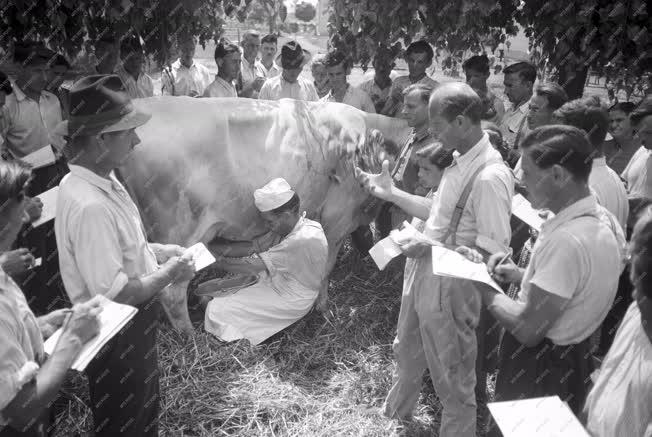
616 313
123 379
544 370
43 286
42 427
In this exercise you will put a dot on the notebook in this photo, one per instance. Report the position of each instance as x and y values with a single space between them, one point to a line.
536 417
446 262
201 255
49 199
41 158
113 318
522 209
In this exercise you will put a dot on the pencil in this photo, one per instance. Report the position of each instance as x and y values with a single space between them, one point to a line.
507 255
64 326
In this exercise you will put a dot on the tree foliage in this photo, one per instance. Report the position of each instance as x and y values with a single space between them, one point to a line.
266 12
569 36
65 24
305 11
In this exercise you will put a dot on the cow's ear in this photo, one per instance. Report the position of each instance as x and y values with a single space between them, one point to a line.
333 176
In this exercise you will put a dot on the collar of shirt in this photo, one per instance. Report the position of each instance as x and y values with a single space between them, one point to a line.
585 206
223 82
104 184
600 162
464 161
20 94
418 136
274 66
522 108
177 65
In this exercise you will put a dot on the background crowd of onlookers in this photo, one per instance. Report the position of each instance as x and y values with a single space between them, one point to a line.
577 290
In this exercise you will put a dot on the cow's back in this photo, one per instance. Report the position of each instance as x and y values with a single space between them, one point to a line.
200 160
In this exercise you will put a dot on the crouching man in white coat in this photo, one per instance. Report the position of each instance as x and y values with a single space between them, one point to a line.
290 273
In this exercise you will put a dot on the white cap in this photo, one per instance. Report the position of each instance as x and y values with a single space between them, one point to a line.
275 193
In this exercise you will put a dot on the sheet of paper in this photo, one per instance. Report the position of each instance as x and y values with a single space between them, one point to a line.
384 251
446 262
202 256
41 158
536 417
522 209
113 318
49 199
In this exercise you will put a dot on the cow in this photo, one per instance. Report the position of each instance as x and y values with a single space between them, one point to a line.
199 161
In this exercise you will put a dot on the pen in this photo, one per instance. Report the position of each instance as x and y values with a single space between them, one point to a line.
507 255
64 326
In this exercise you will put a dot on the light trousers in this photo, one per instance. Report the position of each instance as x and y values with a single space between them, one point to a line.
436 330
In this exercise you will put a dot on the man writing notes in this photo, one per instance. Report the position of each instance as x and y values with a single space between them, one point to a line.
439 315
104 250
570 282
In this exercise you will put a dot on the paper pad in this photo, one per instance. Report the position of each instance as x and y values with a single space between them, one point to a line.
522 209
536 417
49 199
202 256
41 158
113 318
449 263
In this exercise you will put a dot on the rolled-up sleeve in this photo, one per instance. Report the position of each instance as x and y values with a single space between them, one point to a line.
98 253
16 369
492 201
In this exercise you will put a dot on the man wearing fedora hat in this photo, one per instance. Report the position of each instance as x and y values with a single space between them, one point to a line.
289 84
103 249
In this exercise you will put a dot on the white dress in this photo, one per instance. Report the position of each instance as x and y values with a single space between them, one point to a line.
285 292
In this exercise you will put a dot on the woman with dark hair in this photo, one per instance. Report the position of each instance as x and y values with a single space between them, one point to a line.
30 381
619 402
290 274
476 70
624 143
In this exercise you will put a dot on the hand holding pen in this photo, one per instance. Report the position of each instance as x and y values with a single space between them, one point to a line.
502 268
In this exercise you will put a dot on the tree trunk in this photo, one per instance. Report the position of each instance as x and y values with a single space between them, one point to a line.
573 82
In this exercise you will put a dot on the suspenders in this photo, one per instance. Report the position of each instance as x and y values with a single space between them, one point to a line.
461 203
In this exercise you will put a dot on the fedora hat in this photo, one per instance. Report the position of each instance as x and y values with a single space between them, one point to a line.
293 56
100 104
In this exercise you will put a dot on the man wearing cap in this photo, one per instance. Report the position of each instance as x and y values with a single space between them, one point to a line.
27 124
290 274
418 57
227 58
104 250
339 67
252 73
379 86
185 77
289 84
138 83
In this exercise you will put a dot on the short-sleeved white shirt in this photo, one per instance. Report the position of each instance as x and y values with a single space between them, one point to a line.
638 174
21 344
609 190
278 88
576 257
136 89
185 81
619 402
27 125
220 88
100 236
353 97
485 219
